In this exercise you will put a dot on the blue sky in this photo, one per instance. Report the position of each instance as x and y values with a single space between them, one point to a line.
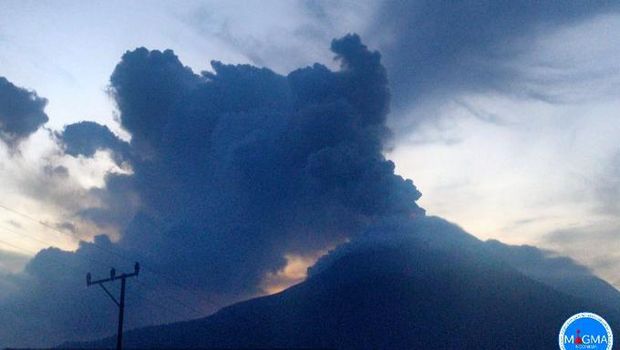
507 124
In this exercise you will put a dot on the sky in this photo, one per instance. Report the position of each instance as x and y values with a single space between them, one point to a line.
503 114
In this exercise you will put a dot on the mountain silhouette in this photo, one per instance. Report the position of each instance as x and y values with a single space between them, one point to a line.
421 284
559 272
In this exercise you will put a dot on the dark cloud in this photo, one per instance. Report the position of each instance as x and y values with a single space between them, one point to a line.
232 169
242 165
118 202
85 138
49 301
21 112
439 49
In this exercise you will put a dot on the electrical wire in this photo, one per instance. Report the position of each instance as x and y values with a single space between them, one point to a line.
154 271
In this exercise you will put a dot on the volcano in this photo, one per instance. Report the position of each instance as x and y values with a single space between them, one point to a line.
424 283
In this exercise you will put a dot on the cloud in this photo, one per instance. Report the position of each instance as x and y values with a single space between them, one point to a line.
560 272
427 232
48 301
243 165
236 170
439 50
86 138
232 171
591 244
607 190
21 112
11 262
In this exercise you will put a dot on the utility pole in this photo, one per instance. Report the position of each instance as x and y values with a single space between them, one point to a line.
121 303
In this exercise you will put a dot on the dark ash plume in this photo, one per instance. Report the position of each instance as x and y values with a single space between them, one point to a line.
232 170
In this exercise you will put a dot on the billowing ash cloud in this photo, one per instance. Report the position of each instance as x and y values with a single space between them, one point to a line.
242 165
231 170
21 112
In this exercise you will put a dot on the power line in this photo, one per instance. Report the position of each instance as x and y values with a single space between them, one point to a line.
45 242
145 296
17 247
141 286
49 244
40 222
170 295
181 285
121 302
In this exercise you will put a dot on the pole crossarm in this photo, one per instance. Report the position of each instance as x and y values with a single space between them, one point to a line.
113 276
121 301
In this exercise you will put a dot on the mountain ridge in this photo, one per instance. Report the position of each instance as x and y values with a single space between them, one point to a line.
411 288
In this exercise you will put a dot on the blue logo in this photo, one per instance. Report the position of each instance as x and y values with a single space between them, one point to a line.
586 330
